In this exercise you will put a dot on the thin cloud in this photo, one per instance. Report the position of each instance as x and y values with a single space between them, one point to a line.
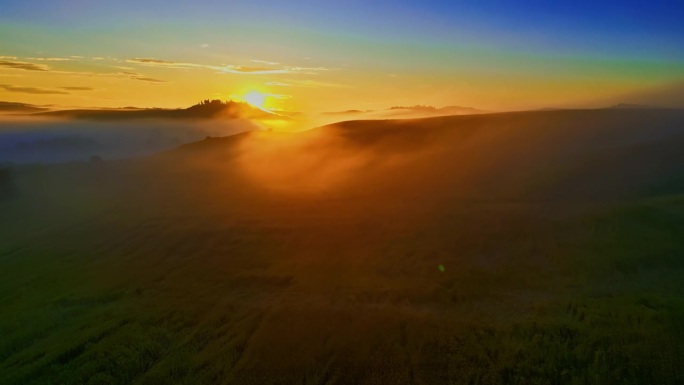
254 70
150 61
271 63
20 65
166 63
151 80
77 88
297 69
136 76
268 71
50 58
32 90
305 84
120 75
234 69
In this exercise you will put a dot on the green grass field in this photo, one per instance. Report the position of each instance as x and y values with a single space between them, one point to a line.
176 270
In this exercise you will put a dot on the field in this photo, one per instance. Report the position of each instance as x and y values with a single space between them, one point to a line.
516 248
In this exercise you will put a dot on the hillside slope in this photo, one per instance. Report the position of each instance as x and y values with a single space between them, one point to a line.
521 248
549 155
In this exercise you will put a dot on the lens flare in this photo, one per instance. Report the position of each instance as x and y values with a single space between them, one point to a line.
257 99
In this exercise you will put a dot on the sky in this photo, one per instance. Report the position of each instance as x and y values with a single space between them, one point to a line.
338 55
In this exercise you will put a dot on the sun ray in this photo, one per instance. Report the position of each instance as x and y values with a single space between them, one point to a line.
256 99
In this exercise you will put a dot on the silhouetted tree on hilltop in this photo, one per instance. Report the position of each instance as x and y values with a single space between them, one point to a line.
230 108
212 102
416 107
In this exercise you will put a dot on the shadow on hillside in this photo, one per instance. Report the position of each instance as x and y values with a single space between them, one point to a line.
6 183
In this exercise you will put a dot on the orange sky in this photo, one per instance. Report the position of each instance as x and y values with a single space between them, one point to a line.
329 58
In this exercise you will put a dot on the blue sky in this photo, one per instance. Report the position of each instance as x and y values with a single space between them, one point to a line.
592 27
623 43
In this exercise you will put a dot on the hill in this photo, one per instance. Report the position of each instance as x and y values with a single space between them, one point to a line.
577 154
207 109
513 248
13 107
628 106
410 112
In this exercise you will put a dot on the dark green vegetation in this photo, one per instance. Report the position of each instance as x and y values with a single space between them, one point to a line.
313 258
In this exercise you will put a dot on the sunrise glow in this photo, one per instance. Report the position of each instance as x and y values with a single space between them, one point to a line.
256 99
373 57
327 192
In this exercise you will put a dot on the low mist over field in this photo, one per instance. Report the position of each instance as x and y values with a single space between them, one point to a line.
529 245
34 140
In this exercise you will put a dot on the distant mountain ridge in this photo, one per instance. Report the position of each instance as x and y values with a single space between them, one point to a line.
416 111
619 106
206 109
19 107
631 106
449 109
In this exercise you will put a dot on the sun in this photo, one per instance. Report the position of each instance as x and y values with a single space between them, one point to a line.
257 99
